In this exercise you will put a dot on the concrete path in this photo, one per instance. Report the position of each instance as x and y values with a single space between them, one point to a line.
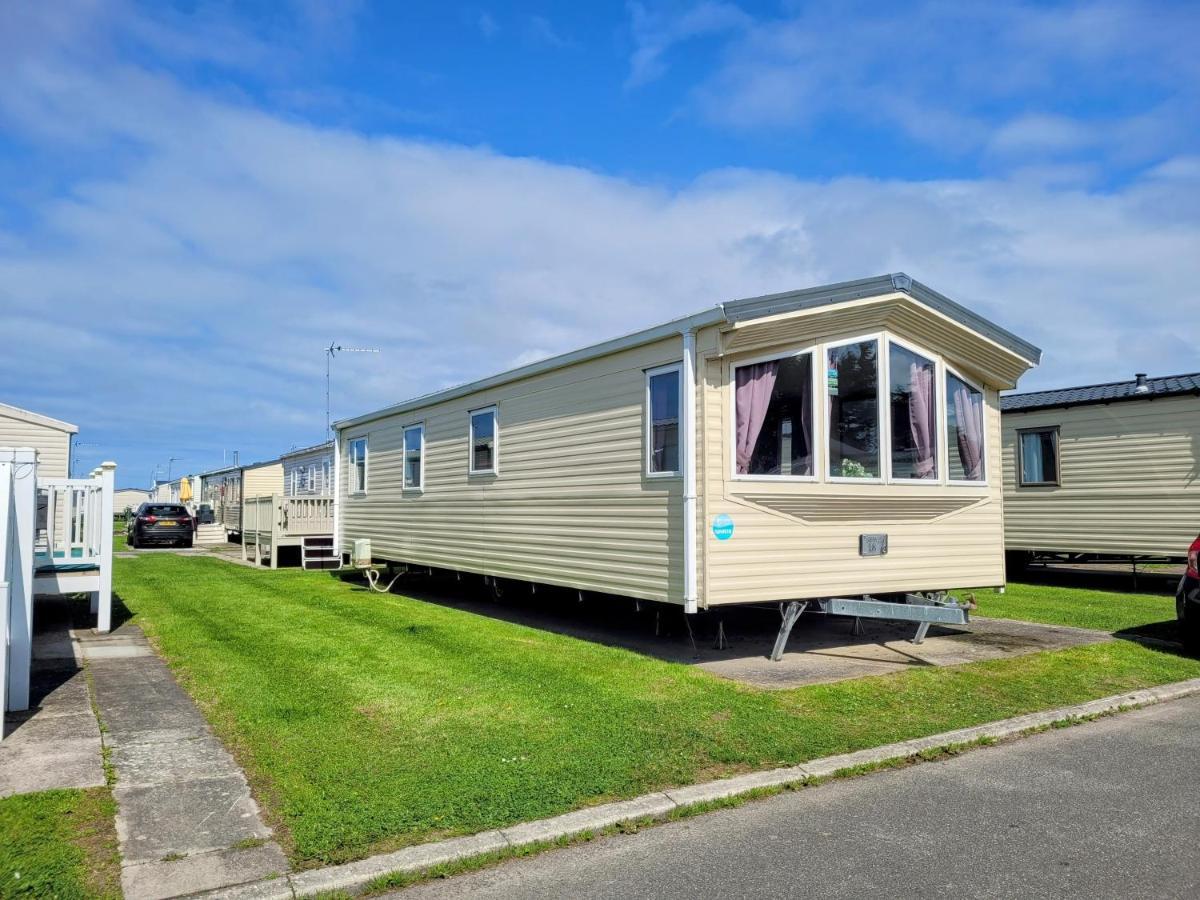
1107 809
185 817
56 743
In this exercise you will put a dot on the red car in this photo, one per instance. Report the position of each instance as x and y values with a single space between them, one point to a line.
1187 601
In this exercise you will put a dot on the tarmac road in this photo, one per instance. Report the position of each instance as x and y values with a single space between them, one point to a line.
1106 809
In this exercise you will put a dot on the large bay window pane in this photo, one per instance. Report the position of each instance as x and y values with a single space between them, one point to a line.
664 421
913 414
964 430
853 384
773 403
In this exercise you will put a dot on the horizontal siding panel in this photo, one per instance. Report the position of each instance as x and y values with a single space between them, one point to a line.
1130 479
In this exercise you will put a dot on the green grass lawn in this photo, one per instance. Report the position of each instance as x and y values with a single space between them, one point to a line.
59 844
1080 607
368 722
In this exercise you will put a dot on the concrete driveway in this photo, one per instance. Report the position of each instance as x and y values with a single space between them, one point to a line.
821 648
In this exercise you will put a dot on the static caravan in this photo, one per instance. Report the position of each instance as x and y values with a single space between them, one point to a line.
307 472
128 500
1104 470
49 437
836 446
221 489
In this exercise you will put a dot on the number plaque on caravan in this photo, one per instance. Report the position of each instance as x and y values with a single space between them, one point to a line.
872 545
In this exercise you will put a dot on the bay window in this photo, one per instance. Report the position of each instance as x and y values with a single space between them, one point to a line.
964 430
913 403
853 390
773 403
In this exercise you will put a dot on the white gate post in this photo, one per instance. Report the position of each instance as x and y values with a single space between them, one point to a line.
5 517
108 477
20 536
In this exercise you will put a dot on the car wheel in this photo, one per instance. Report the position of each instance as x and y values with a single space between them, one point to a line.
131 542
187 545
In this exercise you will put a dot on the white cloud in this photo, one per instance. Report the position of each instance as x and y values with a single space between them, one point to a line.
177 299
1006 77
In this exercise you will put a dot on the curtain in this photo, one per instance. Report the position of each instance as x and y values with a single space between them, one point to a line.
806 419
921 420
969 413
754 387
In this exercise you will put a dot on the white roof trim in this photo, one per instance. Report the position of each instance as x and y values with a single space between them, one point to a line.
24 415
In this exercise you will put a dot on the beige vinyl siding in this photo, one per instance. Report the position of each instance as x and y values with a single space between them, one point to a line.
262 480
301 462
53 445
796 540
1129 479
571 504
128 498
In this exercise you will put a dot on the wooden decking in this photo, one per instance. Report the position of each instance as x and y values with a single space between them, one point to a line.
274 521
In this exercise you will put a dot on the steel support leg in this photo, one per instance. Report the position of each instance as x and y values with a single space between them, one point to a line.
790 614
922 630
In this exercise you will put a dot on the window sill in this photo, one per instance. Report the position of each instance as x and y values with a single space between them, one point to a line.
663 475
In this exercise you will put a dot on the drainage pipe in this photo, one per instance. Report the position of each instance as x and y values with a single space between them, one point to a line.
688 436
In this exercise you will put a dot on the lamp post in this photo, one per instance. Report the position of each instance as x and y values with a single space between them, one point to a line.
170 462
330 351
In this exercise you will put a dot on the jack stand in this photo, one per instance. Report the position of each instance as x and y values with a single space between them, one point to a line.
858 630
691 637
922 630
791 613
722 643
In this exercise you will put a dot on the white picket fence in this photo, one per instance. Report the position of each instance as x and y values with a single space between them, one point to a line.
55 538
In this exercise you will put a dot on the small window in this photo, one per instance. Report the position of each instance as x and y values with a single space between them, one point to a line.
773 404
1039 456
414 447
853 384
485 449
358 466
663 398
964 430
913 405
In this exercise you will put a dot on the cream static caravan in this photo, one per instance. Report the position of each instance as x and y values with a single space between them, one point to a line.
840 441
1103 470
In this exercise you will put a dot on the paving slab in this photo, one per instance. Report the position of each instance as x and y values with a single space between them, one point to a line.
205 872
56 742
186 820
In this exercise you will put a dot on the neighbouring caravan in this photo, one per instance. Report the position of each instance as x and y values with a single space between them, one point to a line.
127 500
827 443
307 471
1105 470
221 489
49 437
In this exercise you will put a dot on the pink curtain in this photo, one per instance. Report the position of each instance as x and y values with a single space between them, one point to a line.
921 419
968 410
754 387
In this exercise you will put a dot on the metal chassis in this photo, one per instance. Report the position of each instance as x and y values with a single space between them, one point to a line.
916 608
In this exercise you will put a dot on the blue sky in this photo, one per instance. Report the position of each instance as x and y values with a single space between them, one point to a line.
196 198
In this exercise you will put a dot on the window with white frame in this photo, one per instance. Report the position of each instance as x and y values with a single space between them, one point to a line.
967 452
358 465
485 449
664 412
852 385
912 380
773 415
414 455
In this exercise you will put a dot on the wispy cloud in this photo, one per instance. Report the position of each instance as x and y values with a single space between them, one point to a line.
542 30
1008 78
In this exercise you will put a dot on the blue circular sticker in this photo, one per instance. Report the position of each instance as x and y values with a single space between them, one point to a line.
722 527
